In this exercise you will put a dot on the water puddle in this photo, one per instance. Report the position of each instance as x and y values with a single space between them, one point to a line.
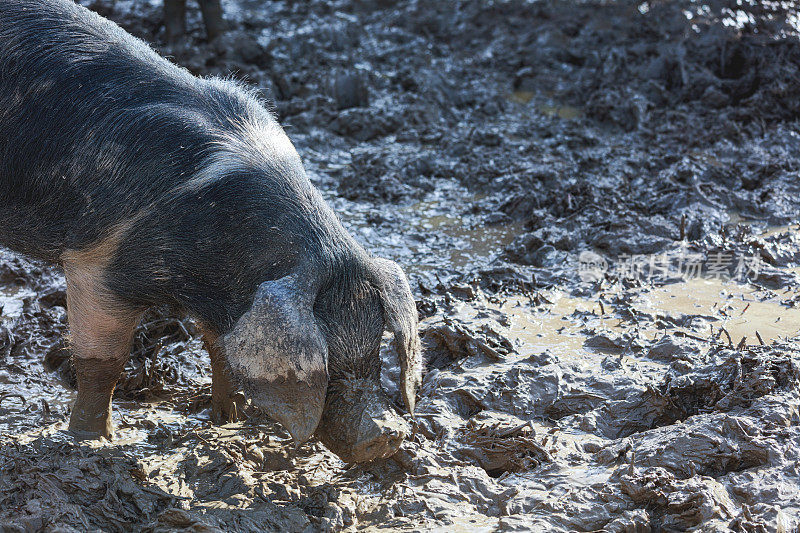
560 327
462 239
434 234
742 310
583 331
778 230
564 112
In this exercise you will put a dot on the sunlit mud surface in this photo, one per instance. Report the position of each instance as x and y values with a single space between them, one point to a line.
487 147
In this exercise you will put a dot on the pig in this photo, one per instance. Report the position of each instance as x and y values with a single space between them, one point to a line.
175 18
150 186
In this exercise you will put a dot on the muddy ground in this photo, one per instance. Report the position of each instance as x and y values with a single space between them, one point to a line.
596 205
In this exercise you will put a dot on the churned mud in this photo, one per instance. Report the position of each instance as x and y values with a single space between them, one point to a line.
596 204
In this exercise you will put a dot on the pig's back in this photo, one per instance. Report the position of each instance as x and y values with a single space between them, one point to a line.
95 127
204 195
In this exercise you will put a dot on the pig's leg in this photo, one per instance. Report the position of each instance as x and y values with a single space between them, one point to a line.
101 331
224 408
212 17
174 18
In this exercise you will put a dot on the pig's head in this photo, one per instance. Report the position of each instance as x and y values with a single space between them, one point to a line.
309 355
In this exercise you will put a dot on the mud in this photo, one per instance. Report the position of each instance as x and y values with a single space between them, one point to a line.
596 203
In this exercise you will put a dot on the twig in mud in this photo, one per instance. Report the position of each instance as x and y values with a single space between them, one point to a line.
627 348
725 331
745 309
602 309
759 338
183 329
742 344
683 227
690 336
46 412
124 422
197 436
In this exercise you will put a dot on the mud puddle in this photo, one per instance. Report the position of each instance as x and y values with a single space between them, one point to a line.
437 234
744 312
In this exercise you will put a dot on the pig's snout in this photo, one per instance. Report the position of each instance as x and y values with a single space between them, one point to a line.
359 423
382 442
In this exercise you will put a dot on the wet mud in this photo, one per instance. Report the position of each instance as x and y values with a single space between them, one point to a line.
596 204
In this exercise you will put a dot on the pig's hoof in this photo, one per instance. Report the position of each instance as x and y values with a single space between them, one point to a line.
85 427
87 432
227 410
82 434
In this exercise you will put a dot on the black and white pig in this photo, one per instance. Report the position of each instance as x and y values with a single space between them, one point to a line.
151 186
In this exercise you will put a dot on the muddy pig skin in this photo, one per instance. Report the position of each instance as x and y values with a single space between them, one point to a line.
151 186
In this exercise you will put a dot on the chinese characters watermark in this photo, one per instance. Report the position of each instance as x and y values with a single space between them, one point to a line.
682 264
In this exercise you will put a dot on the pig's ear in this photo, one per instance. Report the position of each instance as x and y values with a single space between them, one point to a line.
400 317
278 355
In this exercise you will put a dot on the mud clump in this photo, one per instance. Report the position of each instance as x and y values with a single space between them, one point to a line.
679 504
500 448
449 341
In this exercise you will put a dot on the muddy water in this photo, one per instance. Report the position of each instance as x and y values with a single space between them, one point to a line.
743 311
560 322
436 234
